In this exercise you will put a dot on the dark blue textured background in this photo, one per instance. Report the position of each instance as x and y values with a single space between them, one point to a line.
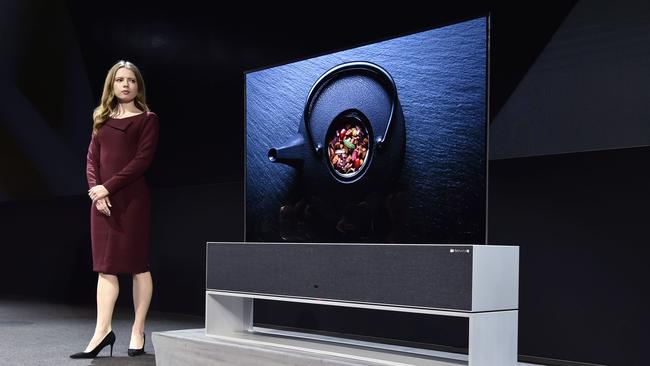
441 81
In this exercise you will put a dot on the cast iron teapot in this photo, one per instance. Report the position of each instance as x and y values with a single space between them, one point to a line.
352 132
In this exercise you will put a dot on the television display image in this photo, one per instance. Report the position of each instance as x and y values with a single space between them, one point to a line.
381 143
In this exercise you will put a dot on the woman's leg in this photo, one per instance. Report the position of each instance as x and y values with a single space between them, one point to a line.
108 287
142 290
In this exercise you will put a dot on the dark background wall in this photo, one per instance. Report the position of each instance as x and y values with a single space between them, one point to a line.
581 220
569 154
579 217
588 89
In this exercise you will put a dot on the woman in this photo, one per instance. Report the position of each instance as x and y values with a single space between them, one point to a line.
122 146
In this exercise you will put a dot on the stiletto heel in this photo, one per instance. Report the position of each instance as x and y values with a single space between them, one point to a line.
136 352
109 339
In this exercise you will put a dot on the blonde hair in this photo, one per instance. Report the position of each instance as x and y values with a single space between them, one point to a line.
108 104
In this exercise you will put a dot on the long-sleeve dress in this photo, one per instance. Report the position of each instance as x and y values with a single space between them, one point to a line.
118 157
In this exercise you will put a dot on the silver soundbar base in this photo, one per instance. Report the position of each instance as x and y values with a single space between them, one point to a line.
229 337
492 334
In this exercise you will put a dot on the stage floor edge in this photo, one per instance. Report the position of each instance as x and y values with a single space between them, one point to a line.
194 347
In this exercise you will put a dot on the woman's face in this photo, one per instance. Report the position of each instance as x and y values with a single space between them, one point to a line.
125 85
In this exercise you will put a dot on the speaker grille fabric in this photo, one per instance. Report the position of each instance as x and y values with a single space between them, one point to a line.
431 276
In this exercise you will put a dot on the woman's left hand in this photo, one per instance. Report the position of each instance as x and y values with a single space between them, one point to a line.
97 192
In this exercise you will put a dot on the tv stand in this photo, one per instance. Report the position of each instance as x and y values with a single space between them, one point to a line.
492 334
476 282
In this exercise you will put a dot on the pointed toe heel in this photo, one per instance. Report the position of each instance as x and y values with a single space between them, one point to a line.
109 340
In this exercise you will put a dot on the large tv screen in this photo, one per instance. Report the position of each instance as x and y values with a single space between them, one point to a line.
381 143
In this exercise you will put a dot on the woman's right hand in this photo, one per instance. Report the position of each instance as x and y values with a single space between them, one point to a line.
103 205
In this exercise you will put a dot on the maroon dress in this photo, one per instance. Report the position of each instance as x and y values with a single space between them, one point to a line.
118 156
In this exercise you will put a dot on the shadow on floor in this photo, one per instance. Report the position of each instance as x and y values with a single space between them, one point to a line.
144 360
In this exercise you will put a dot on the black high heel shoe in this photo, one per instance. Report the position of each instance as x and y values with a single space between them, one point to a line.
109 339
136 352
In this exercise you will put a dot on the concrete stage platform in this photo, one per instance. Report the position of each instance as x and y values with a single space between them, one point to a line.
194 347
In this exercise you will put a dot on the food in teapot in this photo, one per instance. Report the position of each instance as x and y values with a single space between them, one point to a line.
348 149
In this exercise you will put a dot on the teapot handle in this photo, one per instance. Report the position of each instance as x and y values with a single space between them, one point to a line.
359 66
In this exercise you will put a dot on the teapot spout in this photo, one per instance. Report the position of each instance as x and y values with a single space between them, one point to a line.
291 154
